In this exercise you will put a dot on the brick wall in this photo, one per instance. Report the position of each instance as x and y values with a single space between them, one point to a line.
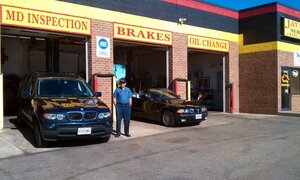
102 65
295 102
258 83
0 53
232 72
178 62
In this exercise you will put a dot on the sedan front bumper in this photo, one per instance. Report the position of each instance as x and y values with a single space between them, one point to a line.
190 118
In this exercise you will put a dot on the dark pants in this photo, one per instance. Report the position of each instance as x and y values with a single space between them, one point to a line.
123 111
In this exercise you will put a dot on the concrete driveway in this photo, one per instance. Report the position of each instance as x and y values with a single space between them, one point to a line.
16 142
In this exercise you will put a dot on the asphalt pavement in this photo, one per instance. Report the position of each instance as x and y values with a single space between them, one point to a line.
223 147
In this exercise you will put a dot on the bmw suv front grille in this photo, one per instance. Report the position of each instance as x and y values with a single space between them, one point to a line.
79 116
90 115
75 116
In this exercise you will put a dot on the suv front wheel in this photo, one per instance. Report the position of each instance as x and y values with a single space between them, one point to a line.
38 140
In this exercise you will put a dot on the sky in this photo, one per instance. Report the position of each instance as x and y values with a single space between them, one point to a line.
243 4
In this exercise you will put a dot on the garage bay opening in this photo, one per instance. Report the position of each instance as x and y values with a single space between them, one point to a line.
206 73
144 66
25 51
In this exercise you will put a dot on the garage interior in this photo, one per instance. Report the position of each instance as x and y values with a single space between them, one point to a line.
205 71
144 66
26 51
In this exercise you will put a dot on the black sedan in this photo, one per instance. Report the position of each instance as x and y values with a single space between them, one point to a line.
161 104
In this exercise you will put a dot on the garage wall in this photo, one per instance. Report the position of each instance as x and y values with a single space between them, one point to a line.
154 63
15 51
19 59
209 64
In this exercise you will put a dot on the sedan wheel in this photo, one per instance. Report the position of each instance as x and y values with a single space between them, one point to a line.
168 119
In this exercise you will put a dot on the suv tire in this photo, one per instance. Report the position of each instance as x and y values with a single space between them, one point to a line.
38 140
20 120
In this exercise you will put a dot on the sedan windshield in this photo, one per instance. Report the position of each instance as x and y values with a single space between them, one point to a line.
57 87
162 94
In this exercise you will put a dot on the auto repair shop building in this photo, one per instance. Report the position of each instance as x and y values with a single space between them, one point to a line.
237 61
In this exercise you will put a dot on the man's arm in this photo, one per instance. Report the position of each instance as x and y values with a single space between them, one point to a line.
115 101
130 101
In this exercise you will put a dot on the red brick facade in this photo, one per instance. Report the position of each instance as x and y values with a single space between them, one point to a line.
102 65
178 64
232 74
258 83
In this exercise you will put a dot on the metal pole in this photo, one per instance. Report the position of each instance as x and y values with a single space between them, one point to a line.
86 60
188 91
1 102
224 81
114 112
167 68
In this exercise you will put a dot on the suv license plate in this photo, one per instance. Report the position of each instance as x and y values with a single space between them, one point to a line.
84 131
198 116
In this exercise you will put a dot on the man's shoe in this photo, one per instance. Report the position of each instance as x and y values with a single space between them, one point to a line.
117 135
127 135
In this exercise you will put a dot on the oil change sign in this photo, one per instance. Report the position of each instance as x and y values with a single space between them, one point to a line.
103 47
20 17
198 42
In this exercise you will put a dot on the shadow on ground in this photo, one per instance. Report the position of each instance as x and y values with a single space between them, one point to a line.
143 120
28 135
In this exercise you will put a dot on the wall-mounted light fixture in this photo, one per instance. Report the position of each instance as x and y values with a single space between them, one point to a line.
181 20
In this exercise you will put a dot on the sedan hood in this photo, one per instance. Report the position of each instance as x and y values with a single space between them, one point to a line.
183 103
53 103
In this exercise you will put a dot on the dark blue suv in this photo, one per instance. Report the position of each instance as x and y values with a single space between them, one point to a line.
61 106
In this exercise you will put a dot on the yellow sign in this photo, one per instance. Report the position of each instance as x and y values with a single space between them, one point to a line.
285 79
14 16
204 43
291 28
141 34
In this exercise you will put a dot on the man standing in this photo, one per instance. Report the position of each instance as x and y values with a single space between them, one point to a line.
122 101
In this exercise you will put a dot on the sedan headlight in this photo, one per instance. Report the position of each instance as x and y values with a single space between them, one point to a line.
104 115
51 116
180 111
203 109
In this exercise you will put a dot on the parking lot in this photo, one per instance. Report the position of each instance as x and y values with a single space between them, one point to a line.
16 142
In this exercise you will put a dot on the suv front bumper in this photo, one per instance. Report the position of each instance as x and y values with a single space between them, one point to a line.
64 131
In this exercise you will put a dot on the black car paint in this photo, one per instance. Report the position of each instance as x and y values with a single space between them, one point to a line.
145 106
32 107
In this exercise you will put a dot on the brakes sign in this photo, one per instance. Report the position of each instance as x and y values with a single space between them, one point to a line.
141 34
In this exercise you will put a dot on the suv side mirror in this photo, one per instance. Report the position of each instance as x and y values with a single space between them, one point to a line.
98 94
26 94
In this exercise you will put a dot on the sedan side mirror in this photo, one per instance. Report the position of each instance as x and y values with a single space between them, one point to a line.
98 94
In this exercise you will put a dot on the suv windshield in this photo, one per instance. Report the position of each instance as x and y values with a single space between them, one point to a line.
162 94
57 87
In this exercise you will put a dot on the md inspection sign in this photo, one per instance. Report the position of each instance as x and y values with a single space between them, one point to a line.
103 47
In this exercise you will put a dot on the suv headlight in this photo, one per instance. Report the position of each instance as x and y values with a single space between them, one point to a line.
50 116
104 115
